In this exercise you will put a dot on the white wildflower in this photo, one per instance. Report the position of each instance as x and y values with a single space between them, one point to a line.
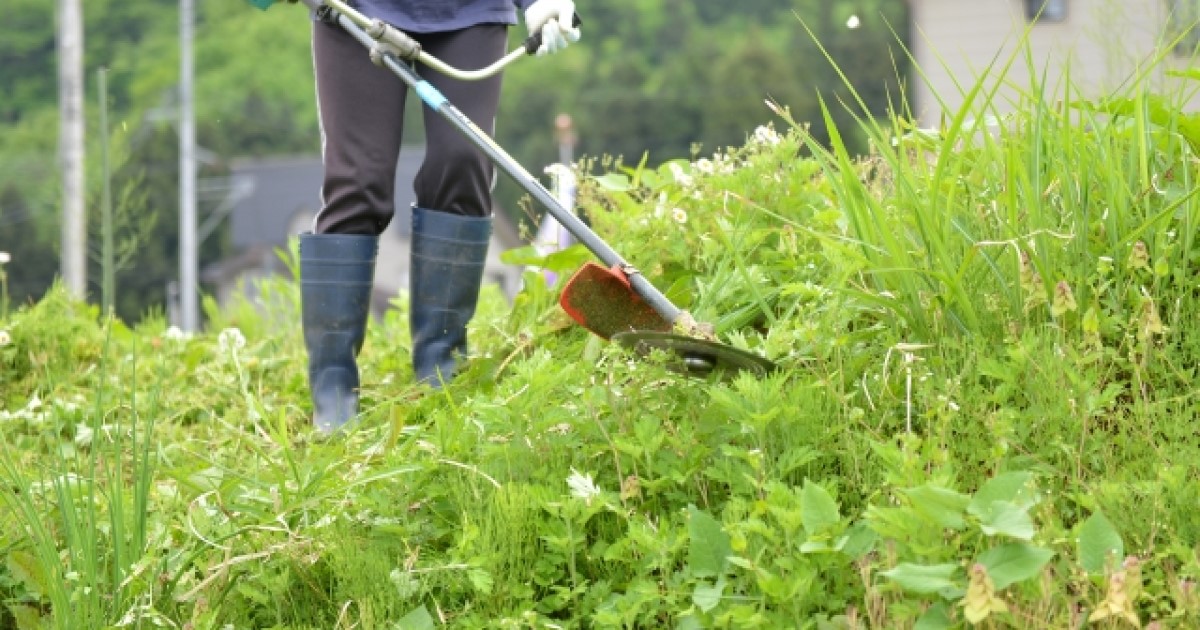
83 435
557 170
946 400
5 258
175 334
722 164
5 339
679 214
231 340
583 487
853 22
681 177
767 135
67 480
704 165
29 412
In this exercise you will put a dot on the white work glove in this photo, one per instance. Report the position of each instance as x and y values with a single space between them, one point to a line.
553 18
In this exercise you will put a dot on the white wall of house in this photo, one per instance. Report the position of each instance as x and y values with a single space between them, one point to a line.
1103 42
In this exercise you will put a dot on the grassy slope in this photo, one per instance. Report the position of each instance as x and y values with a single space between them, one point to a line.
986 404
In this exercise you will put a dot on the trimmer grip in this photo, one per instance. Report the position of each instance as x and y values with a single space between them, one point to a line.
534 42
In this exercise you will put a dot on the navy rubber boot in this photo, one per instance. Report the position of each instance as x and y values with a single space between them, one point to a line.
448 256
336 274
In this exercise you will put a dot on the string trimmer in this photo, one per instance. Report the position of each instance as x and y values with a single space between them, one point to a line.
613 301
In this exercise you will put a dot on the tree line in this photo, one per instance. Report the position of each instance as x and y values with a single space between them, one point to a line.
663 79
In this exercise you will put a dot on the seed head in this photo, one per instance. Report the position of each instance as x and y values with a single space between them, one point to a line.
1139 256
1064 299
980 600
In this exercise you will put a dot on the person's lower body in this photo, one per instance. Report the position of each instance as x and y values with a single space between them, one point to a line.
361 108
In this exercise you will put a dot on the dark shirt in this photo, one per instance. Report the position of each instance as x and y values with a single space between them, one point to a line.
435 16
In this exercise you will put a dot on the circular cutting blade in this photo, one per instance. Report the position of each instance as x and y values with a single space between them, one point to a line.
696 357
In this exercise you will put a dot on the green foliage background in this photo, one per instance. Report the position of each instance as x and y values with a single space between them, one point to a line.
664 78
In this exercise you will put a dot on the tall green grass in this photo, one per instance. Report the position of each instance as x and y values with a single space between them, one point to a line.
84 506
991 222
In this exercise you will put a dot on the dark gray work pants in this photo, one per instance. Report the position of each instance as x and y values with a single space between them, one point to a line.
361 110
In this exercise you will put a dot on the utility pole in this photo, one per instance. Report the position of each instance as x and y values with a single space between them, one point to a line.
565 186
70 146
189 259
564 133
552 236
